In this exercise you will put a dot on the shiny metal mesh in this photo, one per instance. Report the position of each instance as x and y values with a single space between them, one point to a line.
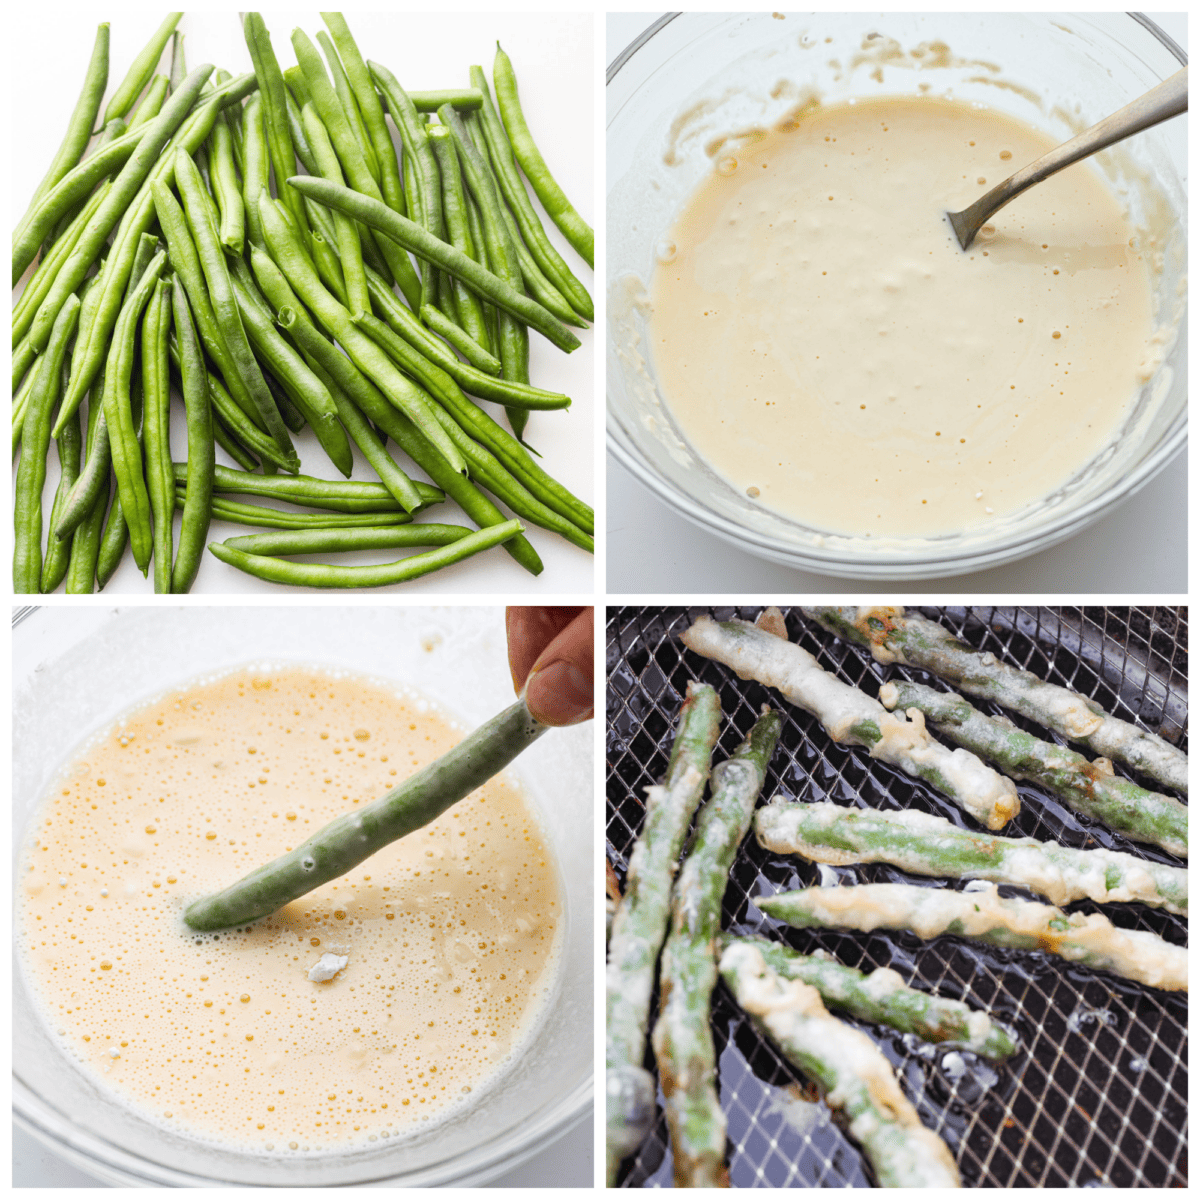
1097 1093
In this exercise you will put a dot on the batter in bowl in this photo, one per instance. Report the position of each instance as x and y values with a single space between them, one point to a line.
825 345
448 936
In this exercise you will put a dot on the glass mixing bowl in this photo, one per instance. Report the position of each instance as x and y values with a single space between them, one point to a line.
694 75
75 670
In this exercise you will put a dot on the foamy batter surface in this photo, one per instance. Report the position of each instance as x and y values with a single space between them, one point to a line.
826 346
450 933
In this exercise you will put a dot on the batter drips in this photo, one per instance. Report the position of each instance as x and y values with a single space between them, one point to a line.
826 346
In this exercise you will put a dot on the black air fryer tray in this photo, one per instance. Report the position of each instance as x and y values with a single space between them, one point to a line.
1097 1093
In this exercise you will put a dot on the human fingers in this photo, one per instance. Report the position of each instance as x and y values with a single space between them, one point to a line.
530 630
560 690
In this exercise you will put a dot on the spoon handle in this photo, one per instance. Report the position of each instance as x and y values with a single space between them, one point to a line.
1168 99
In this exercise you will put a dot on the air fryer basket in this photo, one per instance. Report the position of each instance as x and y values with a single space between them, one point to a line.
1097 1092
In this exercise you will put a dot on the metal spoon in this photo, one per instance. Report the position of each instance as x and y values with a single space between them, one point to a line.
1168 99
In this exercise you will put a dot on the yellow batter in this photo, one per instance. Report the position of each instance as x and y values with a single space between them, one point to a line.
826 346
449 934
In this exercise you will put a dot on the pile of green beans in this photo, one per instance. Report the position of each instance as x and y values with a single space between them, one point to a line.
239 246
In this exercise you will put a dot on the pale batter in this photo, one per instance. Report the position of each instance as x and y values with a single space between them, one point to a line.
448 936
825 345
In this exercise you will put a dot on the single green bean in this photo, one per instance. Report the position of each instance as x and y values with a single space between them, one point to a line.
118 413
346 231
256 171
289 254
274 107
156 432
348 496
225 308
178 60
58 553
504 166
324 575
226 188
201 461
325 101
371 109
536 283
82 119
113 541
264 517
329 268
340 846
151 105
403 231
232 447
85 545
475 221
35 441
140 70
20 405
481 426
299 137
554 200
342 541
345 95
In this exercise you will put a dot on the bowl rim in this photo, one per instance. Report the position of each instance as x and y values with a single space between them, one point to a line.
932 563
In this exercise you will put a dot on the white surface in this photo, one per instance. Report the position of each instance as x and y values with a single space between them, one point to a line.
552 54
1142 547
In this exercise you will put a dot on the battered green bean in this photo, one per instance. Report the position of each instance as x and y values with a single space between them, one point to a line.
326 576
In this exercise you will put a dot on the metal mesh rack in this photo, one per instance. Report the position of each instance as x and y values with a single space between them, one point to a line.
1097 1093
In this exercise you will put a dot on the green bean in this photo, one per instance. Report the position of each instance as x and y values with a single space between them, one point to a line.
462 341
319 352
346 232
118 413
298 86
348 496
226 188
225 309
329 268
178 60
536 283
339 541
345 95
327 576
140 70
35 441
113 541
82 119
481 426
306 391
256 171
505 169
475 224
156 430
289 254
39 283
431 101
554 200
74 186
20 405
92 343
85 546
58 553
469 378
151 105
274 107
372 111
262 516
454 208
325 101
112 131
403 231
197 507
